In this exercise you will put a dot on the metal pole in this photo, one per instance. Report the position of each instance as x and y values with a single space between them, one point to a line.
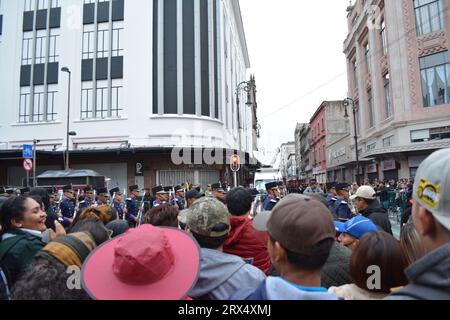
235 179
34 163
28 179
68 122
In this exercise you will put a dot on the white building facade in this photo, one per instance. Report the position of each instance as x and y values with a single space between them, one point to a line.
146 76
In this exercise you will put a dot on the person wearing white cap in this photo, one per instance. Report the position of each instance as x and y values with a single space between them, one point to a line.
367 204
429 277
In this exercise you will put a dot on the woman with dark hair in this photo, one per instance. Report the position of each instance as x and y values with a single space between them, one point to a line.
52 216
23 222
376 267
162 216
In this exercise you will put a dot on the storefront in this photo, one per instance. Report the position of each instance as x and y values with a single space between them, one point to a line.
390 170
372 172
414 163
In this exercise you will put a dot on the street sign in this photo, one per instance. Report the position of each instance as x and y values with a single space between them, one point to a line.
28 165
27 151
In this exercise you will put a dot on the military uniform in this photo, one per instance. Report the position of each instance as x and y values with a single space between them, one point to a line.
117 205
132 206
341 207
179 201
331 198
270 201
67 207
86 202
102 192
159 190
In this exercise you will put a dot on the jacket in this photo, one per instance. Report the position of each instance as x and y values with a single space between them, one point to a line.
243 241
222 274
429 278
276 288
336 271
378 216
353 292
17 250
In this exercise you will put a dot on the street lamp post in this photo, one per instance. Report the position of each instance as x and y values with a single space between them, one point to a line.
350 102
35 142
69 133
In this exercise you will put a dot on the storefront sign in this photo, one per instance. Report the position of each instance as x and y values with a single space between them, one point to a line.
388 165
372 168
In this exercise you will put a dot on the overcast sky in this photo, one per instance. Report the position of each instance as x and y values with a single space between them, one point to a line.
296 53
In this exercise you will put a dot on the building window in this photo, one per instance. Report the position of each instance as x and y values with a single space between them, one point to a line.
51 104
38 110
371 146
117 49
387 95
88 45
355 74
53 54
429 16
388 142
430 134
86 103
370 106
383 37
435 74
24 105
102 103
117 103
103 44
367 57
27 49
40 49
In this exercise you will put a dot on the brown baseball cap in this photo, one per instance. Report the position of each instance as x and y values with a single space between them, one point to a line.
299 222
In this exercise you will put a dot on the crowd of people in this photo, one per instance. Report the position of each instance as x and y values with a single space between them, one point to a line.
197 245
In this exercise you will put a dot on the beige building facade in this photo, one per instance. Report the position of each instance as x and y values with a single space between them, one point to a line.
399 80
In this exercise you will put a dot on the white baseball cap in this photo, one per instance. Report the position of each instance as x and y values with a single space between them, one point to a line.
365 192
432 186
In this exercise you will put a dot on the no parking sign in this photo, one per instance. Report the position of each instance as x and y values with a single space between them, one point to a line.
28 165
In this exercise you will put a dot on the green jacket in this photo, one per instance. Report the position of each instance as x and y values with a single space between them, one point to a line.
17 252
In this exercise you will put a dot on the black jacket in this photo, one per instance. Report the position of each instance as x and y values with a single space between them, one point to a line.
378 216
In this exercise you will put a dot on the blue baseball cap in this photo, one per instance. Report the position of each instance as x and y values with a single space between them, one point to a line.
356 227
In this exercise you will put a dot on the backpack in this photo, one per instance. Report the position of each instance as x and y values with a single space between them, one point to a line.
5 293
5 278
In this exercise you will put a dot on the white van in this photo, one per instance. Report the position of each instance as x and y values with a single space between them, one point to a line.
263 176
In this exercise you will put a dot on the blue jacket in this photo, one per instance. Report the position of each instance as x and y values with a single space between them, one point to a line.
276 288
67 209
341 209
269 203
222 274
119 209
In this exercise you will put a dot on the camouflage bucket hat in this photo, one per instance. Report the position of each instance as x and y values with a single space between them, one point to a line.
205 214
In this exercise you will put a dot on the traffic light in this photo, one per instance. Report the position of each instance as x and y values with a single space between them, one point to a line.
235 163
